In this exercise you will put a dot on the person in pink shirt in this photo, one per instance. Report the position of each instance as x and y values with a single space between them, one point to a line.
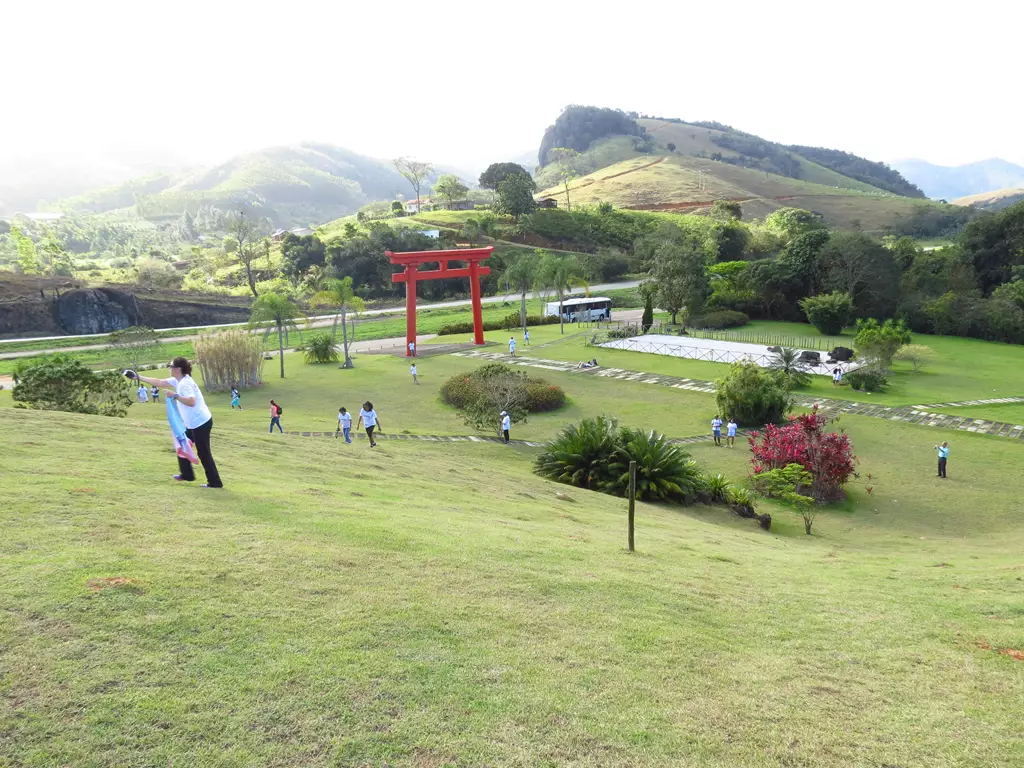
275 417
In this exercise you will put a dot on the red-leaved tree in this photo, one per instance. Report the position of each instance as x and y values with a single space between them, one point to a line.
828 456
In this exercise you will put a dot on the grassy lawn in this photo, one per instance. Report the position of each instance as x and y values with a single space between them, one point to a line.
438 605
965 369
312 394
376 327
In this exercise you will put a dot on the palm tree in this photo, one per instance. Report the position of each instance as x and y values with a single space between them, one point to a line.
276 309
786 361
557 274
340 294
521 277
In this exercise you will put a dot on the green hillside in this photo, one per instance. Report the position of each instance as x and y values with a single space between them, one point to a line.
992 201
698 141
292 186
432 603
676 182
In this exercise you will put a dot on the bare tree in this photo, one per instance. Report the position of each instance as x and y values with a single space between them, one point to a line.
246 236
414 172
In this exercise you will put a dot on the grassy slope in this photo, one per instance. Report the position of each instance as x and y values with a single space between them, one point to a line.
994 201
676 180
697 140
965 369
427 605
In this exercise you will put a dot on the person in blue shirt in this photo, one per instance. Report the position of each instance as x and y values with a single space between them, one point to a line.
943 451
526 336
716 429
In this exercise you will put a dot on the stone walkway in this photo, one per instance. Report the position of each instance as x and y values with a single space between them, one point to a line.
966 403
481 438
913 414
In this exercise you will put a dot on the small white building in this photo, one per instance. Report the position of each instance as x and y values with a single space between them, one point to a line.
412 206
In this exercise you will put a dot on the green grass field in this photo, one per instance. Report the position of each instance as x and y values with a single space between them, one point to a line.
438 605
964 369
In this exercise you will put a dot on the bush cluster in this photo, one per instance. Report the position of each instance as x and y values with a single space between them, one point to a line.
596 453
752 395
870 378
716 321
461 390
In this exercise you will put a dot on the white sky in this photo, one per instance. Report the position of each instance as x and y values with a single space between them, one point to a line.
465 83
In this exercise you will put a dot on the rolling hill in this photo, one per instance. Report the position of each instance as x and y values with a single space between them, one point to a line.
669 164
294 185
953 182
993 201
673 182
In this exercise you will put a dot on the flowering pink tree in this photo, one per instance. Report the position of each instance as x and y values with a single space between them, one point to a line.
827 456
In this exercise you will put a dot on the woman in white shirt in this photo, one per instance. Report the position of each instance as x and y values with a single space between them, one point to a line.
368 418
182 388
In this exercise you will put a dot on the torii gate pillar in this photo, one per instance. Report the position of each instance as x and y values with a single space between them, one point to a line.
410 275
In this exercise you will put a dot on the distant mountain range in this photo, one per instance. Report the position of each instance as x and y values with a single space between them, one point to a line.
298 185
951 182
28 180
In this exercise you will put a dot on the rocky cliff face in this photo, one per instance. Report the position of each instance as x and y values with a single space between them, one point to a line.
103 310
95 310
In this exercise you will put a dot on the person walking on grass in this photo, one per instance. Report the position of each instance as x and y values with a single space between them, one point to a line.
837 376
526 336
730 434
143 396
716 429
344 425
236 400
155 394
368 418
412 370
943 451
512 345
182 388
506 425
275 417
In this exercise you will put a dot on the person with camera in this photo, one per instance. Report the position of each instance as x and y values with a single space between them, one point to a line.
182 388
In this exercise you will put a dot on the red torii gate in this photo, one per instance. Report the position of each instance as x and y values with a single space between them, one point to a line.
473 271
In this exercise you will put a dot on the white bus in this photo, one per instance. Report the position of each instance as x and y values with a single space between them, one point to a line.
582 310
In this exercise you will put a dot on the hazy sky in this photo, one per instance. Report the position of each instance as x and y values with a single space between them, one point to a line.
468 82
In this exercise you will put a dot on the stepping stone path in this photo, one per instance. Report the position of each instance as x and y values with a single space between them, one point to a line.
914 414
479 438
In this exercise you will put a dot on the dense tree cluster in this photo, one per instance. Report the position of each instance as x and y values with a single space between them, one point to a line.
876 174
578 126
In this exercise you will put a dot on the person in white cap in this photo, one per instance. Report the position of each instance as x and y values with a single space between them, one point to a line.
506 424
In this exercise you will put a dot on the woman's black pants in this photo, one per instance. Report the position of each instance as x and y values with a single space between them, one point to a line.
200 436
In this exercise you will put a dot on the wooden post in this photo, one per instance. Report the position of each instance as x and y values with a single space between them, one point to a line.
632 500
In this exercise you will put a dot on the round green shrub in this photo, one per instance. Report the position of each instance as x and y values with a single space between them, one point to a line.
828 312
752 395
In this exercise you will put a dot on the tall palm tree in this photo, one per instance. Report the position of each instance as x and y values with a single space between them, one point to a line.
521 277
339 294
276 309
558 273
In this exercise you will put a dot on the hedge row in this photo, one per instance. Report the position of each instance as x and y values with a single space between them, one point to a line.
717 321
507 323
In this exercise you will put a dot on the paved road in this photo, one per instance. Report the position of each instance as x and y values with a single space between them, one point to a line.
317 322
